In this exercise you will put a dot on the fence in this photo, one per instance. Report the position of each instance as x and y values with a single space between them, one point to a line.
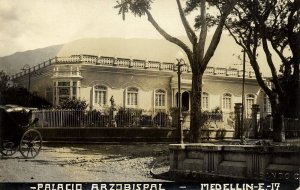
291 125
124 118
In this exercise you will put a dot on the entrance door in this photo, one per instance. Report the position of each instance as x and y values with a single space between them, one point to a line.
185 101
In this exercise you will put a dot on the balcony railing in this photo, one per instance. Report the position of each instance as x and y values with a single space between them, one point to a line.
131 63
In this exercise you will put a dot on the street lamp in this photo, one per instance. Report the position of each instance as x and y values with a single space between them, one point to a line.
180 63
243 97
27 67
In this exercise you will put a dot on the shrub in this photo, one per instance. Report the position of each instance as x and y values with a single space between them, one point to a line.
20 96
174 114
161 119
73 104
127 117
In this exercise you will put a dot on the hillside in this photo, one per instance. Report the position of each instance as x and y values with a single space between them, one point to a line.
151 49
13 63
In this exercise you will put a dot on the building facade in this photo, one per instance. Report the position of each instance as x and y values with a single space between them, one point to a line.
144 84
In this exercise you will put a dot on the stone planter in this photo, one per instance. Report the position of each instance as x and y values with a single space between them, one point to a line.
257 162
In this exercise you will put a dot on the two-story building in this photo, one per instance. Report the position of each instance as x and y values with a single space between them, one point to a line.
134 83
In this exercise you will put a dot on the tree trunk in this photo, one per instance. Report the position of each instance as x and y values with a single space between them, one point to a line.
278 128
196 122
278 121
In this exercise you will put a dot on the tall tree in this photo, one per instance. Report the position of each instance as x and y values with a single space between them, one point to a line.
18 95
4 79
273 25
197 56
3 84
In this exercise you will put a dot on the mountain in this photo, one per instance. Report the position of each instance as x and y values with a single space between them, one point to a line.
151 49
14 63
225 56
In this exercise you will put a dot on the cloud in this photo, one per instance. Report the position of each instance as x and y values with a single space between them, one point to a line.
33 24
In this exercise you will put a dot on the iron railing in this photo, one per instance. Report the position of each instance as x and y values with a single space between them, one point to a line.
291 126
123 118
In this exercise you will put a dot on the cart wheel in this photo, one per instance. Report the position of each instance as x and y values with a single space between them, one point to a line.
31 143
8 148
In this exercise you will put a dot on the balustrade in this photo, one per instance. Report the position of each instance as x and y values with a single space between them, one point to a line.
154 64
138 63
63 60
89 59
232 72
220 71
209 70
123 62
167 66
106 60
185 68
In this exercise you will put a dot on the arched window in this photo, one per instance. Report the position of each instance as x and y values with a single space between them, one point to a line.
249 103
100 94
227 101
132 96
205 100
267 105
160 98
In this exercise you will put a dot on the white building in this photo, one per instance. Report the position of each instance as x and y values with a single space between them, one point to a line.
134 83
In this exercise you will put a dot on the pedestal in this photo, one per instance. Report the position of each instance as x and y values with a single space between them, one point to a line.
238 120
112 117
255 119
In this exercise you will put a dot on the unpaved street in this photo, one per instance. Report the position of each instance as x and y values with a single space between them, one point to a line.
84 163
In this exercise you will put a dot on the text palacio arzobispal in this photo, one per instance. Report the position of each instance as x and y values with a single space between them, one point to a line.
152 186
98 186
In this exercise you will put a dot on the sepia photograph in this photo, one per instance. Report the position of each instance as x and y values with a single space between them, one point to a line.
149 94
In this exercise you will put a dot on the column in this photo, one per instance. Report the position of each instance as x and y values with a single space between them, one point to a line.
255 119
238 120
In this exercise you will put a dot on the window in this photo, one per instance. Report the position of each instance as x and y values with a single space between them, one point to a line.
226 101
132 96
160 98
205 100
74 90
249 103
100 94
64 90
267 104
185 101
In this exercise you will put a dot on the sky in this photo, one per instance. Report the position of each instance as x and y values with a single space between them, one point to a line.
32 24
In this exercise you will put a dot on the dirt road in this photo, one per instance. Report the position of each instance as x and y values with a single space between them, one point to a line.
84 163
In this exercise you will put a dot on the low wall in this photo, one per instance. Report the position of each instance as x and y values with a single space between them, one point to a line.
123 134
109 134
269 163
